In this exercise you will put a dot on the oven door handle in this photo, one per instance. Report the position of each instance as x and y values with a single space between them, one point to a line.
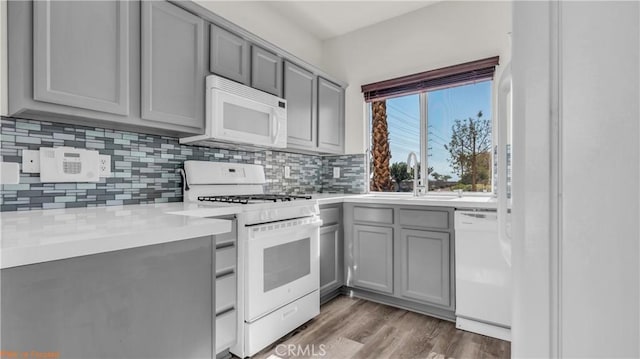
278 228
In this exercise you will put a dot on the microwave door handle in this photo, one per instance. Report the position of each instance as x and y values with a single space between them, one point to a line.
276 127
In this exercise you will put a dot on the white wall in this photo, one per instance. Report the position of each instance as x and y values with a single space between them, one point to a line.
599 262
262 20
532 203
439 35
576 176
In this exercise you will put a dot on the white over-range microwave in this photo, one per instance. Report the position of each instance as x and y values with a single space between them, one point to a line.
238 114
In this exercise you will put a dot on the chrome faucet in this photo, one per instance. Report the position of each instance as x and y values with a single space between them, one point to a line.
412 155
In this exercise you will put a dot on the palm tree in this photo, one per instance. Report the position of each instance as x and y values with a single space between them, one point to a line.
380 152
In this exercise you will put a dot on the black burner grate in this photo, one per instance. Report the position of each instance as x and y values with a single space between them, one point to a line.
245 199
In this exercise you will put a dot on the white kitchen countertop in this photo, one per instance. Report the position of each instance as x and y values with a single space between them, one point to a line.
44 235
29 237
467 201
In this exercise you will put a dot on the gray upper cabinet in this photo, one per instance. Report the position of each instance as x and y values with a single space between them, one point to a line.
81 54
229 55
373 258
266 71
330 117
173 65
424 266
300 93
142 66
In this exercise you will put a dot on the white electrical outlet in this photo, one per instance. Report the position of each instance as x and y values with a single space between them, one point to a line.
104 165
336 172
30 161
287 172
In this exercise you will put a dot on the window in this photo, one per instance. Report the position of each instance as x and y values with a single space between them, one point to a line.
448 125
401 132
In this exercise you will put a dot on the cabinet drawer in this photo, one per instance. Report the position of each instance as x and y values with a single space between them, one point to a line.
375 215
225 330
421 218
225 292
225 259
330 216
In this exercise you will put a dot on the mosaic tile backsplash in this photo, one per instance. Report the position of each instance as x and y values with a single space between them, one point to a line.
352 174
144 167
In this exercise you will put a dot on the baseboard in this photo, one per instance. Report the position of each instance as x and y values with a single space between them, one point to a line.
223 354
489 330
326 297
440 313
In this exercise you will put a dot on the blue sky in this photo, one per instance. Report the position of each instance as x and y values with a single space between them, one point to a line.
444 107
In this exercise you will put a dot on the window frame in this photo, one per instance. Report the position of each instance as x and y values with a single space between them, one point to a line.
424 142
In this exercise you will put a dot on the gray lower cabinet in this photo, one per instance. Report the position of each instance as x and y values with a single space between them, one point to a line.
330 117
402 255
300 91
372 266
229 55
266 71
173 65
146 302
81 54
424 266
330 258
331 251
226 282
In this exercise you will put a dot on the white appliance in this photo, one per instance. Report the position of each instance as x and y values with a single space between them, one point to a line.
483 243
483 275
236 113
278 250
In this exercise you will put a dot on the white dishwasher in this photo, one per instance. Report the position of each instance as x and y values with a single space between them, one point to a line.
483 275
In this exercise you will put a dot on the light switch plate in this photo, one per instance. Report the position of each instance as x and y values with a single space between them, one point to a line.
104 164
336 172
287 172
30 161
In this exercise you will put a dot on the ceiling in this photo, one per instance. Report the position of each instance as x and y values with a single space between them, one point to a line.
327 19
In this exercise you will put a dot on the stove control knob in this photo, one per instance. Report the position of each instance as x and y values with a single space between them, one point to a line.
274 213
264 215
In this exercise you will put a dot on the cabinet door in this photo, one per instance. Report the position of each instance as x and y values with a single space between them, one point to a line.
330 117
266 71
300 93
373 258
81 54
115 304
173 67
424 266
229 55
330 258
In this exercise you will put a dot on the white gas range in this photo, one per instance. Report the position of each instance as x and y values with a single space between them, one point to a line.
278 259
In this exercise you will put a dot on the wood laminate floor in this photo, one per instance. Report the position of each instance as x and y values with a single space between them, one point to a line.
357 328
